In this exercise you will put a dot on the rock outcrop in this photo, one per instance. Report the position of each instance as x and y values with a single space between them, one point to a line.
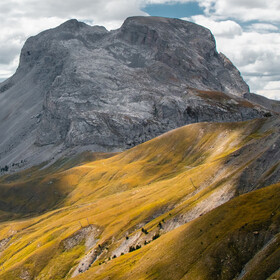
82 87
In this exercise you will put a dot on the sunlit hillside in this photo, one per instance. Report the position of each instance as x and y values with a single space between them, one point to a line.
150 212
238 240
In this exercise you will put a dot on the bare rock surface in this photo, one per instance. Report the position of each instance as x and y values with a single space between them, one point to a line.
273 105
81 87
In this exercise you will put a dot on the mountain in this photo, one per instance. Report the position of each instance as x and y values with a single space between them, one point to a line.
199 202
81 87
137 153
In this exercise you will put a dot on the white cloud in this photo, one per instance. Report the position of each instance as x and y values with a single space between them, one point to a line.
271 89
263 27
97 11
224 28
272 94
7 70
148 2
244 10
258 57
252 51
256 54
272 85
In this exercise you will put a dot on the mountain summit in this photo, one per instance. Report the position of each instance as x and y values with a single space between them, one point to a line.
83 87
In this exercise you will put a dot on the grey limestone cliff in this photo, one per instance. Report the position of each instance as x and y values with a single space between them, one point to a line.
83 87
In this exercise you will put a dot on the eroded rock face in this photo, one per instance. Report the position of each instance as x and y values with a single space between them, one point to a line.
79 86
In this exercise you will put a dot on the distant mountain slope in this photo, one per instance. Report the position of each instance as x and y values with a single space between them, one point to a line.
273 105
80 87
71 219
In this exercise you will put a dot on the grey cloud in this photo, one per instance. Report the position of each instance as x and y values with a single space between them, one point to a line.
250 56
6 7
249 4
8 54
83 9
243 10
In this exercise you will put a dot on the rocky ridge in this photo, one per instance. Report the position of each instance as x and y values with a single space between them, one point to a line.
82 87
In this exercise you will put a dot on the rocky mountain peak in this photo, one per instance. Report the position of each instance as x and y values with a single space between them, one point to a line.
185 49
83 87
72 25
168 29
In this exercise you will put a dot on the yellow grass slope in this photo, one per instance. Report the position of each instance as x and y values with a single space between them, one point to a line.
108 206
230 242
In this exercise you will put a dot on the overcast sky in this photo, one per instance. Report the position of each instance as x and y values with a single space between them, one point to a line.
247 31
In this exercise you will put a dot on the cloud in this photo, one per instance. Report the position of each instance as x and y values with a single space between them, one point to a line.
272 85
272 94
7 70
244 10
263 27
97 10
149 2
256 54
224 28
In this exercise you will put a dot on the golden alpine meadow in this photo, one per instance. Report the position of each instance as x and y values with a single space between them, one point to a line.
151 212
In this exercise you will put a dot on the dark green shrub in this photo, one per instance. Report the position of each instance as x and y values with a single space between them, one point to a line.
131 249
144 231
156 236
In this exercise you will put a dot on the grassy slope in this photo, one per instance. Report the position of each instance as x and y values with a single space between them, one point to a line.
214 246
175 177
39 189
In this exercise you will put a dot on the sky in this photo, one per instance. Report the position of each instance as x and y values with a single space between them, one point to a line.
246 31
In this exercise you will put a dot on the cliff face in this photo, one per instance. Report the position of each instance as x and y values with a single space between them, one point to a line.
81 87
